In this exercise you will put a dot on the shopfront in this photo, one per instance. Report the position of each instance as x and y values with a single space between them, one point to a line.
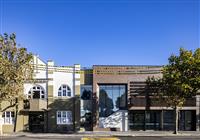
161 120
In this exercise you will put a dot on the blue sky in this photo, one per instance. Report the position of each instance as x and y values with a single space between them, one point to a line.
128 32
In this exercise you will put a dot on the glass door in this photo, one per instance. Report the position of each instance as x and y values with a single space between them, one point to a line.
187 120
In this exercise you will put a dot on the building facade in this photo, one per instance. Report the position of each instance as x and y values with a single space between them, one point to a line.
102 98
122 101
51 103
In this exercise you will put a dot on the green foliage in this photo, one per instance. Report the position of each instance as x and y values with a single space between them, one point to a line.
15 68
181 78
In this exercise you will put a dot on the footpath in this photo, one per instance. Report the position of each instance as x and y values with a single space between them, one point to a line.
106 134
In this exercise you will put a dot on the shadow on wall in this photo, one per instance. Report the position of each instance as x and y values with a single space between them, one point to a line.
68 104
26 128
95 110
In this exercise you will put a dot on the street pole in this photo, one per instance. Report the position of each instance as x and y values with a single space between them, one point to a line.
1 122
74 114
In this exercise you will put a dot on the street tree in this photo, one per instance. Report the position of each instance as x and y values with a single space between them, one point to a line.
15 70
180 80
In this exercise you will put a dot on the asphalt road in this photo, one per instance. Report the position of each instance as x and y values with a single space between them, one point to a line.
121 138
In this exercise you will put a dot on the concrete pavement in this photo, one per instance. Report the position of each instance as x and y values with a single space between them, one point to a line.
107 134
101 138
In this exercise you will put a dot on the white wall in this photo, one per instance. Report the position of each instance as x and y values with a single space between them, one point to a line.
118 119
40 71
62 78
28 86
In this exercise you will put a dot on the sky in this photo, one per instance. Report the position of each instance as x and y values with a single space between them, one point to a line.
103 32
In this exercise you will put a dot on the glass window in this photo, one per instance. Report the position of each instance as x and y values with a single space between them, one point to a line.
168 120
68 88
7 114
12 114
69 93
36 92
64 114
153 120
115 96
69 116
86 105
8 117
64 117
137 120
64 91
59 114
86 92
187 120
122 96
111 99
59 93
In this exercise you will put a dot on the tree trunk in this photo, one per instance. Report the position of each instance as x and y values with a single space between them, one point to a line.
15 122
15 116
176 120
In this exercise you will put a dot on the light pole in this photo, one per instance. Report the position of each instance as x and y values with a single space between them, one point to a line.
74 110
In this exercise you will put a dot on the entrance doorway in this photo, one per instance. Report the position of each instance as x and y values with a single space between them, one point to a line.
36 121
144 120
187 120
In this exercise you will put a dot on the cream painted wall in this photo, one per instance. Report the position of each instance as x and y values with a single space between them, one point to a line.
28 86
58 75
62 78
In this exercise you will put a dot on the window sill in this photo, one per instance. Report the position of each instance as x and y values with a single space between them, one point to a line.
63 97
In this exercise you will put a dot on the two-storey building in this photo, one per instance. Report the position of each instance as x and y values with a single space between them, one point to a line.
102 98
121 101
51 103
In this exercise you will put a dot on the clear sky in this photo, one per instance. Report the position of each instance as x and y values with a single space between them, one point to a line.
128 32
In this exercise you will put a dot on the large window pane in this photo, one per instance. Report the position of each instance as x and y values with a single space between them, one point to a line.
144 120
122 96
69 117
64 90
8 117
137 120
36 92
111 99
187 120
64 117
105 103
153 120
115 98
109 91
168 120
86 92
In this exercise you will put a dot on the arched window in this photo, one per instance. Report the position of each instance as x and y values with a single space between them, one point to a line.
36 92
64 91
